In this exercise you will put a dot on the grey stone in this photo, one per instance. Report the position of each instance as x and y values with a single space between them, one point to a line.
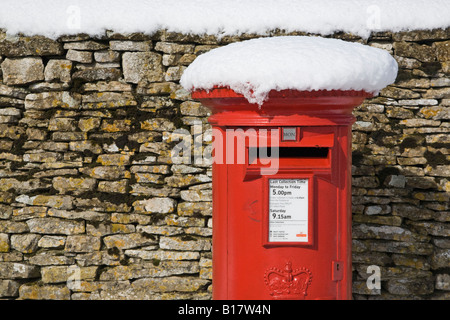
107 56
130 45
155 205
128 241
55 226
58 69
56 242
79 56
443 282
142 67
97 74
419 286
191 244
25 243
50 100
9 288
82 243
12 270
44 292
22 70
84 45
73 185
29 46
169 284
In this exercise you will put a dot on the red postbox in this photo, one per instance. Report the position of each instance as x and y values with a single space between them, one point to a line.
281 194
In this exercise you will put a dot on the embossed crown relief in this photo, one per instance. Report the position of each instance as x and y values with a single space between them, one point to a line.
288 283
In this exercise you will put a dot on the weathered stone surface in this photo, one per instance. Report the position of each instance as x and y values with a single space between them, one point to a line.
128 241
363 231
25 243
155 205
55 226
107 56
56 242
142 67
97 74
412 212
422 53
73 185
101 100
29 46
58 69
163 254
419 286
12 270
130 45
171 284
58 274
443 282
9 288
50 100
187 244
442 50
82 243
84 45
86 145
113 186
192 208
4 242
44 292
58 202
22 70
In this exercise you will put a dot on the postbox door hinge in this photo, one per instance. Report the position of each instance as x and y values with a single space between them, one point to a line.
337 270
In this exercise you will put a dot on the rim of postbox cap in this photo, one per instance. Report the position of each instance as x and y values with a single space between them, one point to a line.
290 66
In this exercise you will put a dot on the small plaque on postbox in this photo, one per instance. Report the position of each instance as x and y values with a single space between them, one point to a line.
288 210
289 134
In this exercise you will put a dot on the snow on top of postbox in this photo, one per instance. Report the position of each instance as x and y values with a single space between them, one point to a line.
255 67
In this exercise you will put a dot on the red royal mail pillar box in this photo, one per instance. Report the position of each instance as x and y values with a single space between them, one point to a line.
281 194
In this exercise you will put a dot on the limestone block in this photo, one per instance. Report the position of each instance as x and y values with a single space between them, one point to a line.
128 241
55 226
107 56
127 45
155 205
82 243
22 70
58 69
12 270
142 67
73 185
25 243
44 292
29 46
9 288
4 242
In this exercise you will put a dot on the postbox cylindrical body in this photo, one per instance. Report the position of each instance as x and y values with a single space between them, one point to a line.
281 194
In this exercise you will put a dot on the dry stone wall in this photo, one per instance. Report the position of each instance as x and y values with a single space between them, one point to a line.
92 205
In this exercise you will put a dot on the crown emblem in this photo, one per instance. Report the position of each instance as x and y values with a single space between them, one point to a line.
287 283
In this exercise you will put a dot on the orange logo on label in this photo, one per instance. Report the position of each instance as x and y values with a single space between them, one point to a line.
301 235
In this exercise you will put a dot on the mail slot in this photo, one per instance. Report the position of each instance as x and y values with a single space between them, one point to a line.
281 214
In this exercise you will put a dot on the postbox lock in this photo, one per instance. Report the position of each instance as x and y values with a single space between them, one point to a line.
337 271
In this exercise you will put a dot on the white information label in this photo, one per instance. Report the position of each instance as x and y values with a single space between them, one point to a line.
288 210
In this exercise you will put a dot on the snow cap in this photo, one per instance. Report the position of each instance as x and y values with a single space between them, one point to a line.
255 67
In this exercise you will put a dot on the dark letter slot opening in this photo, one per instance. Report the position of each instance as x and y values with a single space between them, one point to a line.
288 152
292 156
